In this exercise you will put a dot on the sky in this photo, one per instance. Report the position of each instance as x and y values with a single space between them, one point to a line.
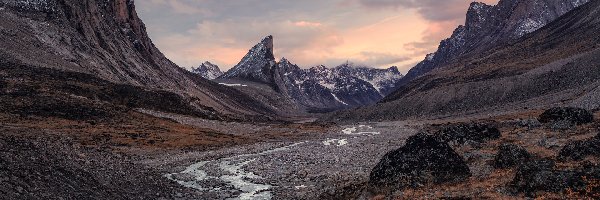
376 33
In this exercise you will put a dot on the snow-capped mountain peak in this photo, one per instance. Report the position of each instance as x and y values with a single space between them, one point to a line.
208 70
257 64
347 85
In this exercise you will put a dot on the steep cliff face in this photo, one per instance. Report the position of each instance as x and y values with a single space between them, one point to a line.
489 26
107 39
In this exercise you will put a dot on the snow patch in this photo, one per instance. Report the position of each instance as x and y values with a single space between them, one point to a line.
338 99
336 142
233 85
355 130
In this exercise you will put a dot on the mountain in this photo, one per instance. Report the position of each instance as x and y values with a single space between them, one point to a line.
208 71
319 88
107 40
553 66
489 26
257 64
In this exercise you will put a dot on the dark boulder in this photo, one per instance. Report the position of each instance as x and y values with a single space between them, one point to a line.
578 150
469 132
538 176
422 160
572 115
510 155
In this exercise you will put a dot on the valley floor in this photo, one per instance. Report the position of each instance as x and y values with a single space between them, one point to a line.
151 155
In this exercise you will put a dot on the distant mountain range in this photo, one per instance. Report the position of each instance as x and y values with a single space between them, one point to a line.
317 88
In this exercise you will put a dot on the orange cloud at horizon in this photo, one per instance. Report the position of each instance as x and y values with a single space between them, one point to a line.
377 37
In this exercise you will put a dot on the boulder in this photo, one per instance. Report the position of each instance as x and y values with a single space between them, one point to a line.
538 176
573 115
510 155
469 132
422 160
578 150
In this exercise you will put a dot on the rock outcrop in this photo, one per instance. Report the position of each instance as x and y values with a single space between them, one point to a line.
538 176
571 115
422 160
578 150
510 155
468 133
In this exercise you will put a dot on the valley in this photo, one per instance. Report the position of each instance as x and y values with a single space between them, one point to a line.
507 107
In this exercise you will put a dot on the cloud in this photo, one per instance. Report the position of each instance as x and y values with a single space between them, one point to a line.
382 59
307 24
432 10
180 6
377 33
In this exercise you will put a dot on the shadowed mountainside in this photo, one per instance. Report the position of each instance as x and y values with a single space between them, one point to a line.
106 39
554 65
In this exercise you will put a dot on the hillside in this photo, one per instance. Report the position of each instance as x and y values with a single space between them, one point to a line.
556 65
107 39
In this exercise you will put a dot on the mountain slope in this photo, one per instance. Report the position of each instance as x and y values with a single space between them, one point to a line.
489 26
108 40
556 65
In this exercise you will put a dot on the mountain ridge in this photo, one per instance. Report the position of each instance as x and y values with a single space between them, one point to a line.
316 88
487 26
106 39
553 66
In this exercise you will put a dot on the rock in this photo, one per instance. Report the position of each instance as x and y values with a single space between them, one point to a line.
540 176
573 115
469 132
578 150
422 160
510 155
530 123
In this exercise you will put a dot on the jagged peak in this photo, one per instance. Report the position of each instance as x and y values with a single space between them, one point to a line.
268 42
284 60
208 63
476 6
394 69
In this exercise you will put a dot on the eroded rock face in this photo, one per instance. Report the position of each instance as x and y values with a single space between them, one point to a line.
422 160
572 115
578 150
510 155
469 132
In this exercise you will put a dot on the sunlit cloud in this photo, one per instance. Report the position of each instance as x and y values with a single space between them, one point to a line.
378 33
